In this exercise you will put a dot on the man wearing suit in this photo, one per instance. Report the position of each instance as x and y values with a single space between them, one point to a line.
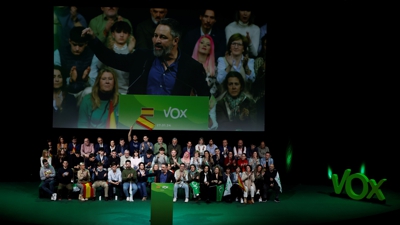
207 18
100 144
73 146
225 148
190 148
163 175
165 70
121 147
145 29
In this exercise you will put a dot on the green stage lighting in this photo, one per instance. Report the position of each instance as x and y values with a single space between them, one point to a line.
289 154
329 172
362 170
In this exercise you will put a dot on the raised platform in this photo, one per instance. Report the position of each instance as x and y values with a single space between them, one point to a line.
301 204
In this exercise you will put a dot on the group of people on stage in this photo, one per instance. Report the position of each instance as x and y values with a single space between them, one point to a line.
204 170
96 62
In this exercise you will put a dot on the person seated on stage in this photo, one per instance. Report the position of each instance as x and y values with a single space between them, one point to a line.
47 174
211 147
254 160
174 160
225 148
136 159
113 158
243 162
236 190
61 144
160 158
267 160
262 149
153 169
230 162
181 177
64 178
100 108
207 160
125 158
87 148
249 186
218 159
101 157
249 152
111 147
91 165
197 161
205 183
194 181
272 182
163 175
45 155
227 178
134 143
147 66
239 150
208 20
188 148
83 175
148 159
145 29
100 180
115 180
129 179
101 24
200 147
259 181
73 146
121 147
100 144
216 179
244 25
58 159
146 145
75 161
142 180
160 143
174 145
186 160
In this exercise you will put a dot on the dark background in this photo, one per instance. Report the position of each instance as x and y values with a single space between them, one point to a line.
329 92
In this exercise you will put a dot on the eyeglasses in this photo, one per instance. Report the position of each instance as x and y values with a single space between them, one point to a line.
236 44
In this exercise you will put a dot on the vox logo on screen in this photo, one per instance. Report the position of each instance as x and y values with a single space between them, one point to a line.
175 113
346 181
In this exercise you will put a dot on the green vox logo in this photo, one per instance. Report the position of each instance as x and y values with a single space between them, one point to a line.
347 179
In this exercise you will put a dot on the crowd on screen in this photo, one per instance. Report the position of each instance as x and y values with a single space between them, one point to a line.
205 170
98 59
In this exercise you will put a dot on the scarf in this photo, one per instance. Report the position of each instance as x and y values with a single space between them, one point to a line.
234 104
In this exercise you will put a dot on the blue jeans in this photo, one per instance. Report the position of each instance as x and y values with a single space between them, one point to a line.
184 186
142 188
126 189
48 186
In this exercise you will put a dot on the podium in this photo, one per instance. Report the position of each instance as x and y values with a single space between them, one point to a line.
162 195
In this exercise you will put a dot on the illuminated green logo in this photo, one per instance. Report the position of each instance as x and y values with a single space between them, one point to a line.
347 179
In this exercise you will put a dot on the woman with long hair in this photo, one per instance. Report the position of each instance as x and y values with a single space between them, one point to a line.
142 180
61 143
186 160
196 160
100 108
45 155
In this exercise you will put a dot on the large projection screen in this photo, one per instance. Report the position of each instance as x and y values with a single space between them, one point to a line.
211 103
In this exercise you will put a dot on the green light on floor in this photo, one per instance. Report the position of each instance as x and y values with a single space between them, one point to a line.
289 154
362 170
329 172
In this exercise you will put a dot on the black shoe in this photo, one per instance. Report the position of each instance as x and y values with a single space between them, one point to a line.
276 200
106 198
94 199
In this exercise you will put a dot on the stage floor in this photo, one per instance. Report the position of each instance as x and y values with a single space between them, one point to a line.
300 204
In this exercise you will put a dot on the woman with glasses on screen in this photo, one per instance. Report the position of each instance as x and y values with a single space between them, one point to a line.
235 109
236 59
65 110
100 108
